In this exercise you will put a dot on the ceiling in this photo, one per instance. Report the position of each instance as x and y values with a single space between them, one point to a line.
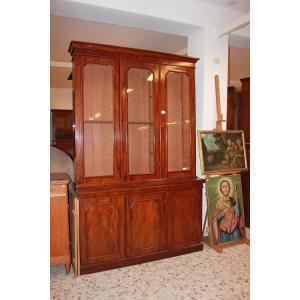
65 29
92 10
240 38
238 5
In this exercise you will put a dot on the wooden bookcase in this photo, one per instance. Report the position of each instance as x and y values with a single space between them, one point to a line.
139 198
62 130
238 117
245 125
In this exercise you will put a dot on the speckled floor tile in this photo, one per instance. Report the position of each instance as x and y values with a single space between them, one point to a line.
200 275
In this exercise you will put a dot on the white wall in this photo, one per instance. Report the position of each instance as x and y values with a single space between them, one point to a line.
61 98
205 44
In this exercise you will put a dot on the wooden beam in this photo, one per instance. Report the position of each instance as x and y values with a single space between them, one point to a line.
239 23
61 64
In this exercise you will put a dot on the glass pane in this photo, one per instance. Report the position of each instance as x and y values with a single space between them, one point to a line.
141 152
98 92
140 121
178 122
98 99
98 149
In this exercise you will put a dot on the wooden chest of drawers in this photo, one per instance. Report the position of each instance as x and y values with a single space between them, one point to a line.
59 221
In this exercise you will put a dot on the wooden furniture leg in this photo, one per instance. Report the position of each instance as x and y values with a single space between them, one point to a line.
68 267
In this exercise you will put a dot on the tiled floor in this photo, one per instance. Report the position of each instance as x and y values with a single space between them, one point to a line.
200 275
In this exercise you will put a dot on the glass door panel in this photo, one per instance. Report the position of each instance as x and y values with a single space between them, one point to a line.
98 123
98 149
178 122
141 152
140 126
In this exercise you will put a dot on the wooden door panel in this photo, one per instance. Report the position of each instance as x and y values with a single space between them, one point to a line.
62 130
245 125
97 118
146 224
184 210
178 143
140 120
62 119
102 229
231 109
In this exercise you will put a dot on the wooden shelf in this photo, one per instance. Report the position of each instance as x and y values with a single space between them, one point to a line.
140 123
98 122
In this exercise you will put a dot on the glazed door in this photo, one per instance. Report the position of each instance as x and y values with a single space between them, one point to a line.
102 226
146 223
184 218
140 121
97 120
178 121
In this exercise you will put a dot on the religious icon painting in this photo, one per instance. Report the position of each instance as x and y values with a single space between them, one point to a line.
222 151
225 208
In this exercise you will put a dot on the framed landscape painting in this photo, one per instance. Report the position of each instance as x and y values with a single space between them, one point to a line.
222 152
225 208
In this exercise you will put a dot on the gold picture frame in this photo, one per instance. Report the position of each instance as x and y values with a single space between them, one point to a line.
222 152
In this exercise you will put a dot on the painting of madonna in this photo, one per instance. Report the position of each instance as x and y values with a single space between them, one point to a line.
226 208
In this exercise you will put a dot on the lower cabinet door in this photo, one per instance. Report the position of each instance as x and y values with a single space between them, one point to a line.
102 223
146 224
184 218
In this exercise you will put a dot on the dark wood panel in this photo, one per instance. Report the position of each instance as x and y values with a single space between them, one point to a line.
102 224
146 224
245 177
83 48
62 130
138 259
245 108
238 117
161 184
231 109
149 217
245 125
184 217
62 118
